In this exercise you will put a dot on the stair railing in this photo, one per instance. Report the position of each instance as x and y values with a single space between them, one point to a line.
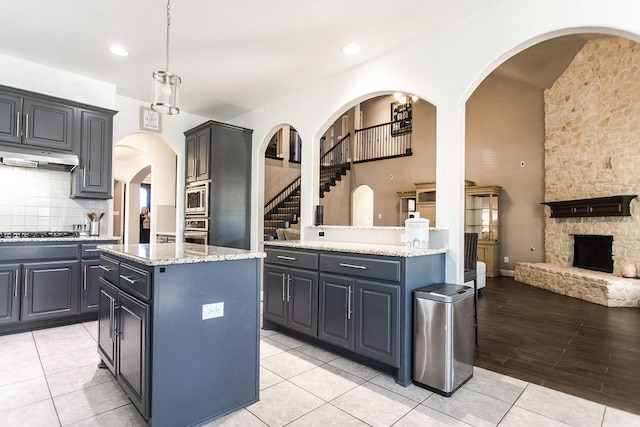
280 198
338 154
382 141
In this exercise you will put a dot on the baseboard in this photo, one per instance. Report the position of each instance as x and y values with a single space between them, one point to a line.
508 273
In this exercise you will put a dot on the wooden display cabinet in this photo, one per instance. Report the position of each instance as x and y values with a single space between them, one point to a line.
482 217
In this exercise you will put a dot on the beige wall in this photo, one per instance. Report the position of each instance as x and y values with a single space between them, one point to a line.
592 134
505 126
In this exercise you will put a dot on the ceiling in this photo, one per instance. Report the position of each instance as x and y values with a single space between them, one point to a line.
233 56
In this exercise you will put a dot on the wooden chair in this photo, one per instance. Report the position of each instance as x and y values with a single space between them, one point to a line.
471 273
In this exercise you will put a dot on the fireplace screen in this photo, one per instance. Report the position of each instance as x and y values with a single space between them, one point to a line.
593 252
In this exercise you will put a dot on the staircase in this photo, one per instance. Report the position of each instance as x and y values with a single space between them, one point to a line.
285 206
329 175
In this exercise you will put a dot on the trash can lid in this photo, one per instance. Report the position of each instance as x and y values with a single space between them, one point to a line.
445 292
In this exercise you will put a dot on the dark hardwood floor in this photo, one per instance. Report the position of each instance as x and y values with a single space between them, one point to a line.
563 343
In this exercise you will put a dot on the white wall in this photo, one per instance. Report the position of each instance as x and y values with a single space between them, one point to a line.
446 67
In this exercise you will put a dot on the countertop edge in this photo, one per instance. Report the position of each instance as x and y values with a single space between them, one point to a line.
359 248
186 259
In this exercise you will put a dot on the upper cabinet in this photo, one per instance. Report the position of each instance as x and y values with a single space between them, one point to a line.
198 144
92 178
40 123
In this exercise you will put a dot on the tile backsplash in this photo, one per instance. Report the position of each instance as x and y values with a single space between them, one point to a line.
38 200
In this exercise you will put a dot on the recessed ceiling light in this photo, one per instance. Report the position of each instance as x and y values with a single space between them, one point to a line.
118 50
350 49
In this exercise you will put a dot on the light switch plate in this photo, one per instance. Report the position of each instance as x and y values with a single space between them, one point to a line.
213 310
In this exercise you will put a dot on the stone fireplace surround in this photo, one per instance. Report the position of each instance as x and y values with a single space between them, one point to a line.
592 125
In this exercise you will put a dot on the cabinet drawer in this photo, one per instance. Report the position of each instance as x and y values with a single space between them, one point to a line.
292 258
135 281
363 267
110 269
39 252
90 250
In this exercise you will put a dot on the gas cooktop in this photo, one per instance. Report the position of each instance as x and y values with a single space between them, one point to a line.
36 234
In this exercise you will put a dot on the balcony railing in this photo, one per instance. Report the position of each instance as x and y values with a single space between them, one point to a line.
382 142
338 154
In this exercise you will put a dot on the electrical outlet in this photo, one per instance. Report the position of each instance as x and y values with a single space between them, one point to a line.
320 233
379 216
506 260
213 310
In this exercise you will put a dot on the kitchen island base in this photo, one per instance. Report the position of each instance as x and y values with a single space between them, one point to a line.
181 339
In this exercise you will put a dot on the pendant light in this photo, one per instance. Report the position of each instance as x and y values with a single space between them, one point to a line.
165 85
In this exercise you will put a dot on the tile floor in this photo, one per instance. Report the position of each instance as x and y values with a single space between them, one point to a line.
50 378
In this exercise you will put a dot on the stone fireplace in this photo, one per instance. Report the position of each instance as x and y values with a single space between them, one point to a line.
592 129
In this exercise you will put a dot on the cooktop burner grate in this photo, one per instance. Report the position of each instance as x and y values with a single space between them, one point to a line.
36 234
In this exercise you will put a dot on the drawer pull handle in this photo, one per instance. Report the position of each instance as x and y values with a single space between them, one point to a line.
92 250
102 267
128 279
288 258
359 267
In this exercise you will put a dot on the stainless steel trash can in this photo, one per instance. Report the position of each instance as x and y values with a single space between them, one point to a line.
443 337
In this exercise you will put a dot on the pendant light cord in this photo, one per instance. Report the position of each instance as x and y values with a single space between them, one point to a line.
168 25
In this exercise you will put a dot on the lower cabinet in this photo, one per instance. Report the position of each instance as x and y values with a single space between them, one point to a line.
124 342
90 285
50 289
291 298
9 293
362 316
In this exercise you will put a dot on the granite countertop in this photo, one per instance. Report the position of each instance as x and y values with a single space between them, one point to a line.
178 253
359 248
60 239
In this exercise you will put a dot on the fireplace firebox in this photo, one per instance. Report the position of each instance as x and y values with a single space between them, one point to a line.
593 252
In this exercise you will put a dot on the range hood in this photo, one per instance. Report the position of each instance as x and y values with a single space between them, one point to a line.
33 158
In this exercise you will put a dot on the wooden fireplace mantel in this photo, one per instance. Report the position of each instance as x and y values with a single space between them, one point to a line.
597 206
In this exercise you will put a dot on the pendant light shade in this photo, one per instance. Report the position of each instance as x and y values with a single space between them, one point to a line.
165 85
164 92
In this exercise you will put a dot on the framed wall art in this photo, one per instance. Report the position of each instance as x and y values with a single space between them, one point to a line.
150 120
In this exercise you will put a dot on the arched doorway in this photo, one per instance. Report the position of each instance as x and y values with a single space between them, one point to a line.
362 202
146 158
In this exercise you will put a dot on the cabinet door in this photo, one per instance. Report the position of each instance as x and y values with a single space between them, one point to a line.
50 289
377 308
203 146
48 124
190 156
335 307
90 286
9 293
274 288
303 301
10 118
107 324
132 366
93 176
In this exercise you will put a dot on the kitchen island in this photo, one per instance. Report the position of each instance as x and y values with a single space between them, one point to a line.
178 328
352 298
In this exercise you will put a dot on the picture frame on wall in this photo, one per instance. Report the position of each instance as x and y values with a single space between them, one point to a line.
401 118
150 121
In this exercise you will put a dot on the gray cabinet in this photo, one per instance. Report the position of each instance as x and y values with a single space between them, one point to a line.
124 329
228 165
40 122
48 124
50 289
9 293
362 316
133 366
90 270
336 298
177 366
291 298
10 118
197 147
365 302
291 290
92 178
